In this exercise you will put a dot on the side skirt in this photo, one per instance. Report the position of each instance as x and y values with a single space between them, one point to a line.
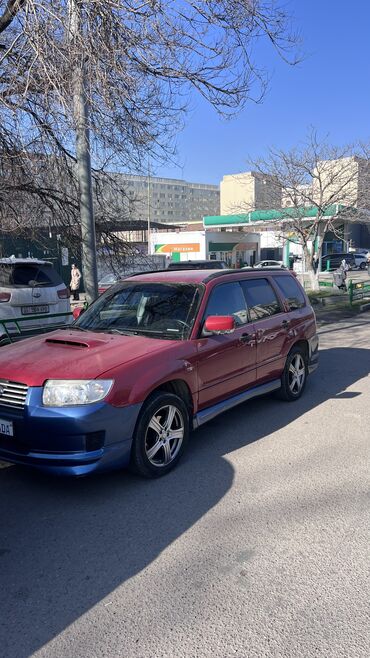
211 412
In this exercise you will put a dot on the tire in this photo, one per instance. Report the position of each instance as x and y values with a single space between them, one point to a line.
294 377
154 453
363 266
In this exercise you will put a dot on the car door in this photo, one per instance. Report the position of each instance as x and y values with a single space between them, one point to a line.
226 363
271 326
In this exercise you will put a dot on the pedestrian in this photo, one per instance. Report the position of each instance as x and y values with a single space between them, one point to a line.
344 267
368 264
75 282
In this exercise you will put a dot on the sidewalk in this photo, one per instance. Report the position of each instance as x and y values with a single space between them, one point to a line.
327 315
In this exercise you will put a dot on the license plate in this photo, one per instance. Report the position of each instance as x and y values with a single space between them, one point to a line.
6 427
35 310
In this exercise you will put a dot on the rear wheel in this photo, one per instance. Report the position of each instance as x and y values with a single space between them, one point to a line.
294 377
161 435
363 266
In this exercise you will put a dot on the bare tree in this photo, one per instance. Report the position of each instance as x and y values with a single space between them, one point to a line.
321 188
141 59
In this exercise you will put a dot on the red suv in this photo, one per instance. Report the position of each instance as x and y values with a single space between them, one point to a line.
154 357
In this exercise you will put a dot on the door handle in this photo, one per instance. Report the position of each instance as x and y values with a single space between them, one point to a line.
247 338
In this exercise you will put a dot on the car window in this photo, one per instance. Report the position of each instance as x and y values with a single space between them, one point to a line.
261 298
228 299
160 310
23 275
291 291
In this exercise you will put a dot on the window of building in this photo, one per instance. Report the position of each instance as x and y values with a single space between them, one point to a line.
261 299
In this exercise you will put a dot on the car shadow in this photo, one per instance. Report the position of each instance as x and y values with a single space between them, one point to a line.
67 544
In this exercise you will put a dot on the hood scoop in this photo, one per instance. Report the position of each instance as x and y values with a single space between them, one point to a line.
65 341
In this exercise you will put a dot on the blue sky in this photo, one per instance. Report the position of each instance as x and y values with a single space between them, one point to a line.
329 89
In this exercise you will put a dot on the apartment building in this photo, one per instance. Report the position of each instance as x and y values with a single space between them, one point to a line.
168 200
248 191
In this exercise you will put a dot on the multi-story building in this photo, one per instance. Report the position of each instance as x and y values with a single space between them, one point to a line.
245 192
168 200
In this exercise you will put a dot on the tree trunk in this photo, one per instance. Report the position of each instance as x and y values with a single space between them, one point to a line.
313 276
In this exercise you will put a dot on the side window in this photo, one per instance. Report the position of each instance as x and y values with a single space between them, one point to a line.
261 299
291 291
228 299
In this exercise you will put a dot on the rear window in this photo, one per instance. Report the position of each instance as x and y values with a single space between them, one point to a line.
291 291
24 275
261 298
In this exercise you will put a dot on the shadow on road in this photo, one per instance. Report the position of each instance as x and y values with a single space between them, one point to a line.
66 544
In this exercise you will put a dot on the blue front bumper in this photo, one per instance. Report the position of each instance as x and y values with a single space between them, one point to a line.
69 440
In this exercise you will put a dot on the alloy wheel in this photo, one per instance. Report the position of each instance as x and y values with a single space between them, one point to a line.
164 435
296 374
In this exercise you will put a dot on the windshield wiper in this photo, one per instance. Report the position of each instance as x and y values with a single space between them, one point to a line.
121 332
72 327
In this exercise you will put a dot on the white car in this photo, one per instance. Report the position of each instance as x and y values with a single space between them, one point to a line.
31 287
361 261
271 263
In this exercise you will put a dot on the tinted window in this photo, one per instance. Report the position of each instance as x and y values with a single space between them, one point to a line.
228 299
24 275
291 291
157 309
261 299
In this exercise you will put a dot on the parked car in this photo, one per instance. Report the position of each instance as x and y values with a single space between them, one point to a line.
162 354
198 265
363 250
108 280
335 261
361 261
31 287
271 263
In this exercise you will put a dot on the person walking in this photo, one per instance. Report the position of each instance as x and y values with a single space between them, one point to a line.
75 282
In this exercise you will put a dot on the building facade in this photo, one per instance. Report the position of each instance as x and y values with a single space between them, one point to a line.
245 192
168 200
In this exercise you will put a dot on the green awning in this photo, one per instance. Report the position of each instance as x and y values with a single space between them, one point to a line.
222 246
270 215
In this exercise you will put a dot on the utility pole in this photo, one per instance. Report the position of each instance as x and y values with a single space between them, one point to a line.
81 117
149 228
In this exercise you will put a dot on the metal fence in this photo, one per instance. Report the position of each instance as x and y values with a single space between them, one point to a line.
13 329
358 290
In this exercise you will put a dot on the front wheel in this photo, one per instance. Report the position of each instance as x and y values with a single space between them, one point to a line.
294 377
161 435
363 266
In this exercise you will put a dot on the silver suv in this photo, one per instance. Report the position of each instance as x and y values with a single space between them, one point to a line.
31 287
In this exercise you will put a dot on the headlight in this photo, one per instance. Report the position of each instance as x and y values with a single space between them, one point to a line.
71 392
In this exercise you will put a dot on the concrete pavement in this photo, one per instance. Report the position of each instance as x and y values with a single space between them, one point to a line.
257 545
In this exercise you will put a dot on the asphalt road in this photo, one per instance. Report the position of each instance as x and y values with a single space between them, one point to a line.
257 545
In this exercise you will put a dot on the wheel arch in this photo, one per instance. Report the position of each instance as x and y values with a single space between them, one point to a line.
176 386
303 344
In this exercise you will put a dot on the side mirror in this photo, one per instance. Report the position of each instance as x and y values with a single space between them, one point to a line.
77 312
219 324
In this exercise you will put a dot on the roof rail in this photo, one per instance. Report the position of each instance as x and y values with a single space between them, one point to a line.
255 270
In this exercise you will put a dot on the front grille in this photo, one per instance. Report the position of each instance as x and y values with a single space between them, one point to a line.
12 394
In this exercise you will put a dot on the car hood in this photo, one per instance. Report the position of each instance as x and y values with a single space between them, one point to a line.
71 355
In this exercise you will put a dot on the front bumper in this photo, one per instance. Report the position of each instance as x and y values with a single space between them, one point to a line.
69 440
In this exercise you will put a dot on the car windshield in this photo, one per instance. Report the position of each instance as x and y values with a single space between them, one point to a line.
161 310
